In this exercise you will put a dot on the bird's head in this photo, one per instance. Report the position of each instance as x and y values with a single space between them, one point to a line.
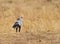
19 18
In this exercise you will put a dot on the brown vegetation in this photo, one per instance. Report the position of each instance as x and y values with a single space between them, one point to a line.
41 21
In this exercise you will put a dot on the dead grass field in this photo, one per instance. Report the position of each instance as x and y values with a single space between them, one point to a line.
41 21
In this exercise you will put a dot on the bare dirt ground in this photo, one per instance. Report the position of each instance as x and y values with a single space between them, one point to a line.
41 21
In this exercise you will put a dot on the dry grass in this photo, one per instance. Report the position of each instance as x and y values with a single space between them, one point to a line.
41 21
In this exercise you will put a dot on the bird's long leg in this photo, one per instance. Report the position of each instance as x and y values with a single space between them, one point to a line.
16 29
19 28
